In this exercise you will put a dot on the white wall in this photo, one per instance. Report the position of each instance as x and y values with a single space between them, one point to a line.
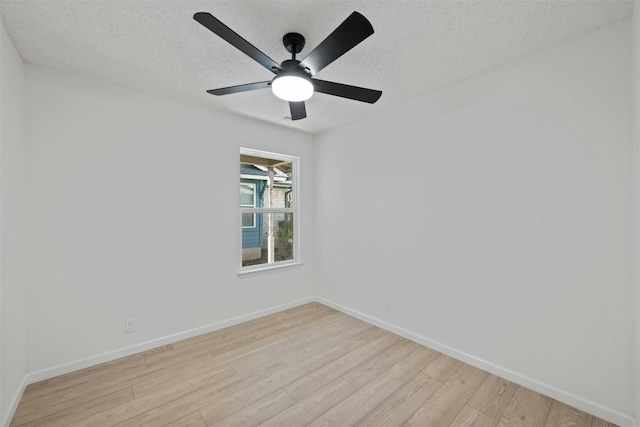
496 216
13 332
636 181
132 202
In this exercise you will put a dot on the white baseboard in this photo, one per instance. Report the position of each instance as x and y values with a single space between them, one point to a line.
33 377
13 405
570 399
596 409
65 368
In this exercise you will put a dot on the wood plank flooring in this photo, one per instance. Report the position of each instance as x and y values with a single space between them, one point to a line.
307 366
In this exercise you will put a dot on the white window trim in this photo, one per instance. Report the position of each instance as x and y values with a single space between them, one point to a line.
295 177
256 270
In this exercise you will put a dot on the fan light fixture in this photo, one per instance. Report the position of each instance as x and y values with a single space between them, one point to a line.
292 87
294 80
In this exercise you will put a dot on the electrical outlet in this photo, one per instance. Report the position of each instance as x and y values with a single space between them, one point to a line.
387 305
129 325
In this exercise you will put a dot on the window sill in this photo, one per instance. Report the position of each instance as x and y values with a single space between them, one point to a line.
258 270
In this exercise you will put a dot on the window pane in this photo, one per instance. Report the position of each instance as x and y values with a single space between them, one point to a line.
247 195
283 231
278 197
283 183
256 247
248 220
275 180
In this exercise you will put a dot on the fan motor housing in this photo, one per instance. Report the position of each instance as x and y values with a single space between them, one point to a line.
293 42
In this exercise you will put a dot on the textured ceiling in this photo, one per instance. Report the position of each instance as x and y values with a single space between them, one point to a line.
155 46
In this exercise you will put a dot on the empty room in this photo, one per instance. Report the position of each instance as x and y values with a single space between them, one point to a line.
437 222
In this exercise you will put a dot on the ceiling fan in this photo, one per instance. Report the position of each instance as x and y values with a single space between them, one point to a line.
294 80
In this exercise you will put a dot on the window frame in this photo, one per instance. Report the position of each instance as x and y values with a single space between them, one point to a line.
296 260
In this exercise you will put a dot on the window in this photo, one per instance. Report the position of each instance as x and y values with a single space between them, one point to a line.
268 210
248 200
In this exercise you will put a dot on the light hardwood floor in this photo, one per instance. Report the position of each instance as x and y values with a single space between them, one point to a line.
310 365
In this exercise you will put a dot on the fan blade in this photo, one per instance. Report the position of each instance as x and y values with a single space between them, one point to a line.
349 34
240 88
298 110
346 91
235 40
